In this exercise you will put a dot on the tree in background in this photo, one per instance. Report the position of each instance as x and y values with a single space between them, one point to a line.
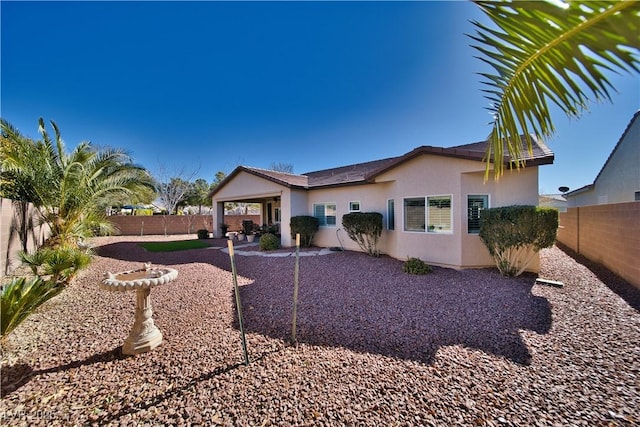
172 186
198 194
543 51
281 167
72 189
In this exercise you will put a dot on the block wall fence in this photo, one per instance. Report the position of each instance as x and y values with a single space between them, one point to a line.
173 224
606 234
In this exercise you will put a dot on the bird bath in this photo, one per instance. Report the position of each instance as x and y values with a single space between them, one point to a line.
144 335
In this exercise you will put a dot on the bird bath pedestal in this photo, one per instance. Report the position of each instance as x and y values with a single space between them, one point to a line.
144 335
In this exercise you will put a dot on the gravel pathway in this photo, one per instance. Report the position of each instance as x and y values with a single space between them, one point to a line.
376 346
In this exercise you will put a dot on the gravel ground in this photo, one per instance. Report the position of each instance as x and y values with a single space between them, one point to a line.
375 346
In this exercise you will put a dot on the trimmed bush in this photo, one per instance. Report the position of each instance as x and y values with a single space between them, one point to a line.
307 226
515 234
416 266
203 234
365 229
269 242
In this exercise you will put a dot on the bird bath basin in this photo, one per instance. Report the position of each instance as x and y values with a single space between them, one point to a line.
144 335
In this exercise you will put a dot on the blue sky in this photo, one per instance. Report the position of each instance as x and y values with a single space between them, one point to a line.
210 85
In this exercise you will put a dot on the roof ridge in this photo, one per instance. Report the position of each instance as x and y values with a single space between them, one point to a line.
271 171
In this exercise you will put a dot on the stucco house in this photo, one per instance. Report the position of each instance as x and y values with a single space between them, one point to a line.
431 199
619 179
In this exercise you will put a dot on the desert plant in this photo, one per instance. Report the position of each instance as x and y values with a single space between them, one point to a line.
61 263
515 234
247 226
21 297
70 189
306 226
550 51
365 229
269 242
203 234
416 266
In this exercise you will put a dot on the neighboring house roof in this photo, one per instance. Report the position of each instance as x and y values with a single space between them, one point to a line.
624 134
556 197
362 173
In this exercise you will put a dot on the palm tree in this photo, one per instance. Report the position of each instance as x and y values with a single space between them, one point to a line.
71 189
544 51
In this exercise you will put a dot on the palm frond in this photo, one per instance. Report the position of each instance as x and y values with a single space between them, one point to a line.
543 52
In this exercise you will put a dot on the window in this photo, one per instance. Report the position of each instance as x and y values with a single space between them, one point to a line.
391 215
326 213
354 206
475 205
277 214
414 214
439 214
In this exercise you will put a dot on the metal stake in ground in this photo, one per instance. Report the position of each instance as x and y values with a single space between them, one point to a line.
238 302
296 270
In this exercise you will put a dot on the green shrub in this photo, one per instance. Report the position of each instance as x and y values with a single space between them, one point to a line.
247 226
365 229
269 242
21 297
416 266
515 234
203 234
61 263
307 226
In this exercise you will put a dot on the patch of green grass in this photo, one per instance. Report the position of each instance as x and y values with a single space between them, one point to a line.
177 245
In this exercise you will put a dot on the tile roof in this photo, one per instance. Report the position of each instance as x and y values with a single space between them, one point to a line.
362 173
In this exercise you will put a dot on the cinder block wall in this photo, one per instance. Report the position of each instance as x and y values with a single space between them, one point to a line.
606 234
173 224
568 229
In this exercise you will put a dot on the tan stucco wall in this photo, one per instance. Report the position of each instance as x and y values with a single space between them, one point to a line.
372 199
422 177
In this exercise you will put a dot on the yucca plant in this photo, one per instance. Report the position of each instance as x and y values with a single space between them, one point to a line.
558 52
21 297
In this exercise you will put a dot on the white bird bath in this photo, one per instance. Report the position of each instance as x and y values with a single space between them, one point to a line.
144 335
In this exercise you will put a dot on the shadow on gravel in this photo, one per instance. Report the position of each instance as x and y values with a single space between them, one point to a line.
16 376
174 392
617 284
369 305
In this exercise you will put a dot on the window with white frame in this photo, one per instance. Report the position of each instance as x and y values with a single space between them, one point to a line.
326 213
432 214
354 206
278 214
391 215
439 214
476 203
414 214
